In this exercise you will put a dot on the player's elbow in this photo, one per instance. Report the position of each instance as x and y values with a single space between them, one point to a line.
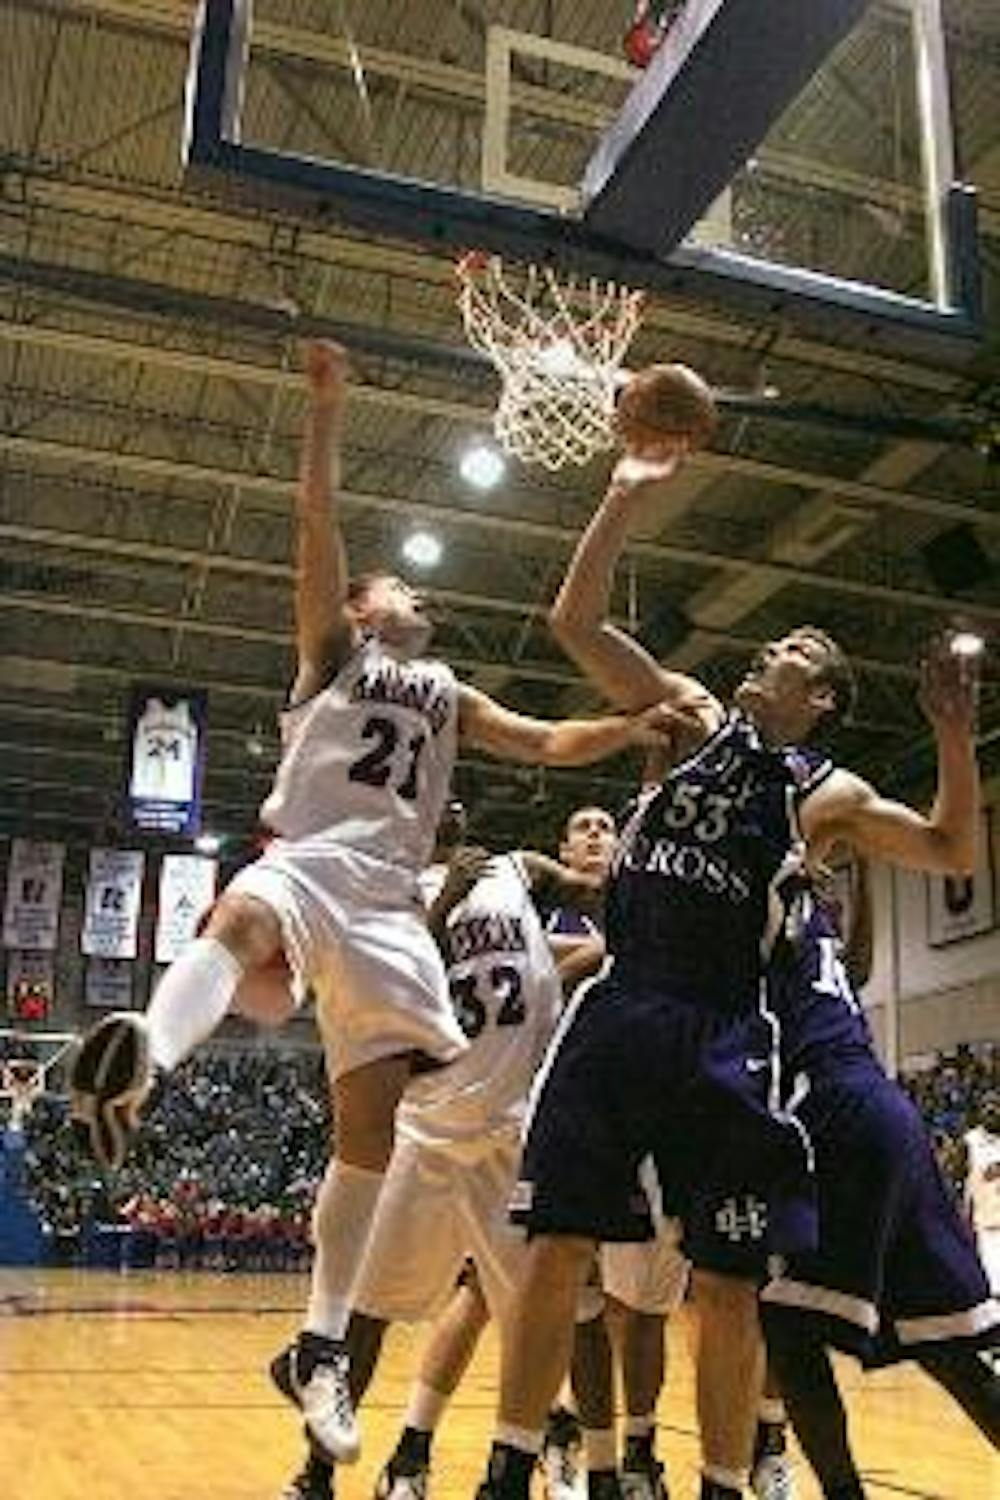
955 853
571 626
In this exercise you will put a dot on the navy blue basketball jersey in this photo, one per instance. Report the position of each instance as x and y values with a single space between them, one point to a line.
695 899
822 1020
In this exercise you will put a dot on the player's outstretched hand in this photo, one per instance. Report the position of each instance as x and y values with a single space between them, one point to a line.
326 370
949 688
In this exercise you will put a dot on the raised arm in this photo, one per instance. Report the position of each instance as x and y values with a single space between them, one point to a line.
625 672
486 725
321 631
944 840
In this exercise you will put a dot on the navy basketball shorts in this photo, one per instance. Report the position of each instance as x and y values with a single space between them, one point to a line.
896 1270
635 1072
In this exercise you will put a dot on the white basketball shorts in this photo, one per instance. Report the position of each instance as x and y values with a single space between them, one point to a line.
354 929
435 1210
650 1277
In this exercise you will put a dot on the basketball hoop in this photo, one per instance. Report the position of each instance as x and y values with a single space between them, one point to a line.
558 350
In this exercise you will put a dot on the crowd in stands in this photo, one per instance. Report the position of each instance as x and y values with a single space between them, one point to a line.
950 1095
234 1147
224 1174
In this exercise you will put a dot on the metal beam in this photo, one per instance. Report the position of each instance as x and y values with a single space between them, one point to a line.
162 210
465 86
206 366
251 634
283 573
267 488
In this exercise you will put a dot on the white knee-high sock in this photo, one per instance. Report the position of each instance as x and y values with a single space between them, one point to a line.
342 1222
191 1000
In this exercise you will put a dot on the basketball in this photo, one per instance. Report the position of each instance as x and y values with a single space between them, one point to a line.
666 402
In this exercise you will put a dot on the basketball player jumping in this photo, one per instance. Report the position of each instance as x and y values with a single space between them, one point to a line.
458 1129
369 739
673 1052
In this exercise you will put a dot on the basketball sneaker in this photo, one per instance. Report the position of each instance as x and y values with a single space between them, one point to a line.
560 1458
314 1482
110 1079
772 1478
393 1484
313 1373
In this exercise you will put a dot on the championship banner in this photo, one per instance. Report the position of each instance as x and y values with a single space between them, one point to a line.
111 912
166 752
187 890
108 983
962 906
34 892
30 986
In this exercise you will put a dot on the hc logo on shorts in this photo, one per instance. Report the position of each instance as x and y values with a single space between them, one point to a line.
741 1219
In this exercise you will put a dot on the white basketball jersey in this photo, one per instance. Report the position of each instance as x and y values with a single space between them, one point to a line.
507 997
367 762
163 753
982 1186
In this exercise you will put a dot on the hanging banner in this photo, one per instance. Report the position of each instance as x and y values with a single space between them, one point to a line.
962 906
30 986
187 890
111 914
166 743
109 983
34 891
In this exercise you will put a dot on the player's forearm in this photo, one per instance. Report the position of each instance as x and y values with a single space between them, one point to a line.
619 666
583 603
954 819
581 742
321 572
319 458
580 962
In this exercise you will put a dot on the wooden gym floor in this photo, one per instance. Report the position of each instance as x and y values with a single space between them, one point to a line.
149 1386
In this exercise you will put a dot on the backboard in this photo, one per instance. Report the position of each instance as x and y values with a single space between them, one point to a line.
788 159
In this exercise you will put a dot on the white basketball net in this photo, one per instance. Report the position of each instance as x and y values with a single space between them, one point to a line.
558 351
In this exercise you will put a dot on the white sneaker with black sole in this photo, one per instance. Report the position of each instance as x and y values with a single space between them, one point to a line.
110 1078
314 1374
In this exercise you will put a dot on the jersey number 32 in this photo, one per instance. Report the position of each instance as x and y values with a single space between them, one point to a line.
472 1010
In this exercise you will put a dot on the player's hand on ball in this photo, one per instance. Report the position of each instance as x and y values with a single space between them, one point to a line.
326 371
640 471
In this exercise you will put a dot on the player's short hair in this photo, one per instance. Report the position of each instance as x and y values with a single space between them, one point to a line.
586 807
837 673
